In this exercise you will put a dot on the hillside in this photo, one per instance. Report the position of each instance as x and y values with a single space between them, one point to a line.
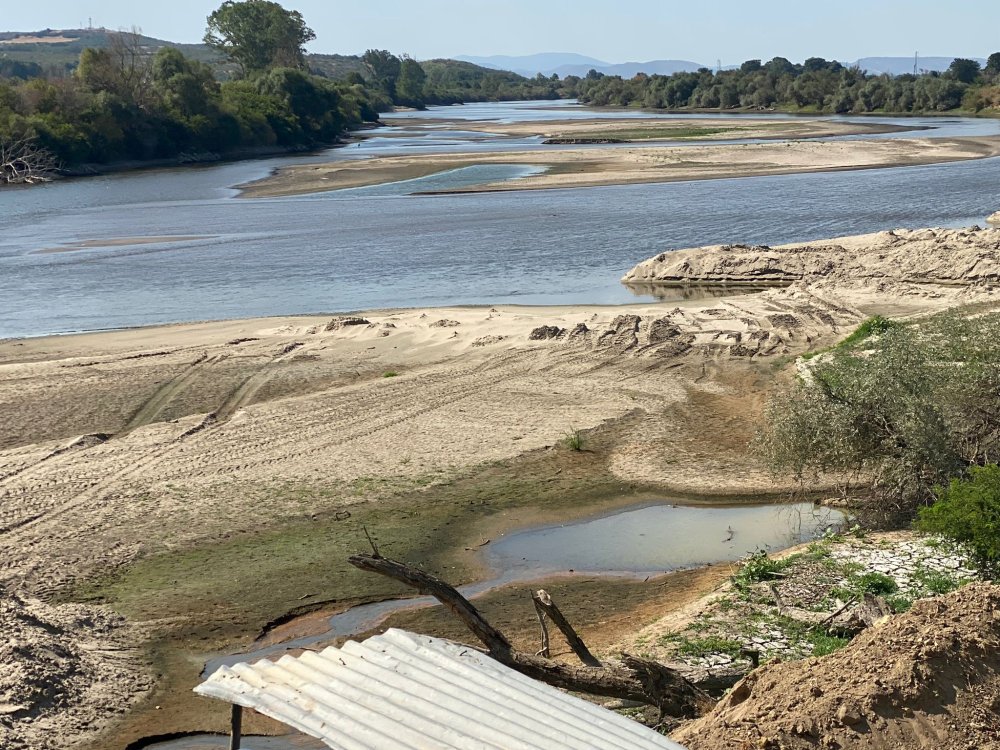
57 50
61 48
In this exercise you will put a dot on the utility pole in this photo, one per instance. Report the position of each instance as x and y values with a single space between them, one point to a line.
915 56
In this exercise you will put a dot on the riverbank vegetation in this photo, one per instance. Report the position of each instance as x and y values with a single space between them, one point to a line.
122 104
817 85
249 90
904 415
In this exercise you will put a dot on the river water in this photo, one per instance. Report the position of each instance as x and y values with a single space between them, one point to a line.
69 260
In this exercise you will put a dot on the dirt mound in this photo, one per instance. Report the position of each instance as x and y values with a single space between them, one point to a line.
60 667
929 678
929 256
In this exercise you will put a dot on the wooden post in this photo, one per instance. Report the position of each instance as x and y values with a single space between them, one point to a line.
543 603
544 650
237 727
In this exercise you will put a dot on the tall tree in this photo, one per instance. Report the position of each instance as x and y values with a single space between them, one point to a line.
258 35
410 85
123 68
384 68
963 70
993 64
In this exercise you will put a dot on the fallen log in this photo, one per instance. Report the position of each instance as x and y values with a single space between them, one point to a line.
641 680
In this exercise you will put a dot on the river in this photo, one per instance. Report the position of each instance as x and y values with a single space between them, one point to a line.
70 259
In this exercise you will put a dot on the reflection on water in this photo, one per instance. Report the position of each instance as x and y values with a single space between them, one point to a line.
658 538
216 741
641 541
679 292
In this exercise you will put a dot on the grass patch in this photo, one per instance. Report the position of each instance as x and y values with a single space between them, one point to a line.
390 374
899 603
935 581
574 440
823 644
874 326
703 646
760 567
877 584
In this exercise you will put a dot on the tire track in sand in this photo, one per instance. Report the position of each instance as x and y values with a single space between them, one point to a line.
245 391
240 396
154 406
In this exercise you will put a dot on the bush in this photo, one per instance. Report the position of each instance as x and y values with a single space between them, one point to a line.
967 511
915 409
877 584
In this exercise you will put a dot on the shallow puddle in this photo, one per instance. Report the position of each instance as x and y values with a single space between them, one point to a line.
216 741
641 541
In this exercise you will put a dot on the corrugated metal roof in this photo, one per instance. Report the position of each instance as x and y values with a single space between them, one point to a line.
401 690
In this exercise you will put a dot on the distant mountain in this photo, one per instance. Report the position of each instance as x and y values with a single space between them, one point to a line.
570 64
898 65
545 63
630 69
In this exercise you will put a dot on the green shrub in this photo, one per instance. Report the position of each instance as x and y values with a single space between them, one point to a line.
914 410
874 326
758 567
877 584
934 581
967 511
823 644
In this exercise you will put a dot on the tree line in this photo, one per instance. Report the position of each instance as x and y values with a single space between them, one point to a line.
123 103
817 85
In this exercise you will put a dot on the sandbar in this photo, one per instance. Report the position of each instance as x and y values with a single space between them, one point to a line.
624 165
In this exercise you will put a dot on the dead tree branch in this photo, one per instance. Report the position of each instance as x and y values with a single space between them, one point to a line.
637 679
543 602
24 162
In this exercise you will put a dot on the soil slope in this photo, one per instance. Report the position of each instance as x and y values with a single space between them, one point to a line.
929 678
64 671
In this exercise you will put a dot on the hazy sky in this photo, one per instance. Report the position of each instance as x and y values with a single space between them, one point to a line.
610 30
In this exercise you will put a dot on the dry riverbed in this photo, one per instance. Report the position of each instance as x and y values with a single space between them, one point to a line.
184 486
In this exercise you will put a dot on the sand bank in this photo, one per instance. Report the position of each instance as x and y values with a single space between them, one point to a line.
621 165
653 129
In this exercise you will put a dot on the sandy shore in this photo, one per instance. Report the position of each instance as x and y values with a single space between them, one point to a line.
196 477
621 165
